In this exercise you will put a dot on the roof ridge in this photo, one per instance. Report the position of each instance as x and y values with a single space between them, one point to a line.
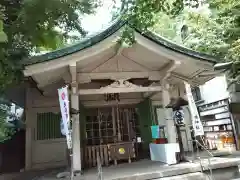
114 27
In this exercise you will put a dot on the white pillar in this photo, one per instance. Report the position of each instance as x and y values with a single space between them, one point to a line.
170 128
77 166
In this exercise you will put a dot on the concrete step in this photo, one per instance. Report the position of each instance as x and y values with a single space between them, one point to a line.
229 173
190 176
223 169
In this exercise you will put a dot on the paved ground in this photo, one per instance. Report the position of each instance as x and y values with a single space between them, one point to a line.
145 169
30 175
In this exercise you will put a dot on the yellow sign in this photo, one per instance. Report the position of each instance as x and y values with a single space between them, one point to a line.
121 151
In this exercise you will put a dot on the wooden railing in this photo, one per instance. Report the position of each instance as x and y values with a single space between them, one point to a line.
108 153
90 155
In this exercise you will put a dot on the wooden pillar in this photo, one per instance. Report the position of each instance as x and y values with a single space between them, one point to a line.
170 127
77 166
29 130
114 125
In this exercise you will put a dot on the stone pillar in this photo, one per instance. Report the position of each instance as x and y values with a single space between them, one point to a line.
77 166
170 128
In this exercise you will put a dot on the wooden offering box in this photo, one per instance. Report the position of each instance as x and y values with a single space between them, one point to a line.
121 151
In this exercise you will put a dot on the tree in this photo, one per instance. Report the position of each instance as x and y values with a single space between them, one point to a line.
6 131
141 14
27 31
167 27
206 34
31 25
213 28
3 36
221 33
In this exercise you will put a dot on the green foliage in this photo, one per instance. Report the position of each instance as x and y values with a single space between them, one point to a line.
6 132
28 26
3 36
213 29
141 14
32 25
167 27
221 31
205 34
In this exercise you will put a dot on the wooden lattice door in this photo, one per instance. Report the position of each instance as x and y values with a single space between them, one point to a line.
111 125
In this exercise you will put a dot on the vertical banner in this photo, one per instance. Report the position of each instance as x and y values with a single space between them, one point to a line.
64 107
196 122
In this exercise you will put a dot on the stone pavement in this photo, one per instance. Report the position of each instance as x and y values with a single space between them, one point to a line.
137 170
146 169
140 170
29 175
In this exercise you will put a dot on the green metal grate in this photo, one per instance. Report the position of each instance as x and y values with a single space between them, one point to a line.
48 126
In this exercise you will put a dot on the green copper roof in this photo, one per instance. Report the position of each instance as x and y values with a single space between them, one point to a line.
90 41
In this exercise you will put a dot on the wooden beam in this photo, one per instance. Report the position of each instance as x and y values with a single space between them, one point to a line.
73 72
86 77
121 86
169 67
49 89
149 94
119 90
111 103
52 88
184 78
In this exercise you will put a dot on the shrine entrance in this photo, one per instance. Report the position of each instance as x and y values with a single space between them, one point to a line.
111 128
111 124
147 74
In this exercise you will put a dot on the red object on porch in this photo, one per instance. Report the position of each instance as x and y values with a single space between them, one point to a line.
160 141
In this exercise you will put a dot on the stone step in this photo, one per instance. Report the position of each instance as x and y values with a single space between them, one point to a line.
190 176
223 169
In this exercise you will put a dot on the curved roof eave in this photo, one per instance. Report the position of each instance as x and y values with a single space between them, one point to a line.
90 41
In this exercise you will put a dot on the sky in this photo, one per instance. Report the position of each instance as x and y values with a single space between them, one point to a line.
96 22
101 19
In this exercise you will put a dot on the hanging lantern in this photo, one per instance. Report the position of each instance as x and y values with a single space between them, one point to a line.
178 117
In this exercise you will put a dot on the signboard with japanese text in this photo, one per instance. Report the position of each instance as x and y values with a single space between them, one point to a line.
65 112
196 122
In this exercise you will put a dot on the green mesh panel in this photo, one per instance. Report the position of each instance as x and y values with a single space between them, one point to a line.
144 110
48 126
